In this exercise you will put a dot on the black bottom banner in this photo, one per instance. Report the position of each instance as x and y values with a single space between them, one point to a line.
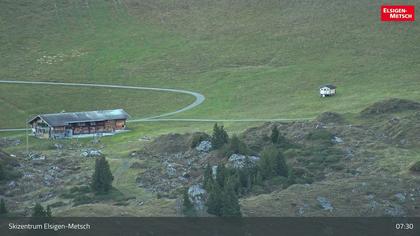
162 226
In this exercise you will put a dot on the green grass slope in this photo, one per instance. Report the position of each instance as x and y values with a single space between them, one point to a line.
251 59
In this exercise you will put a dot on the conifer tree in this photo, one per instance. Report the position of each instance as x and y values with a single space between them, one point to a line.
214 201
221 175
102 177
272 163
266 163
3 209
291 179
230 201
219 137
187 205
274 135
280 165
2 172
258 178
208 178
38 211
48 212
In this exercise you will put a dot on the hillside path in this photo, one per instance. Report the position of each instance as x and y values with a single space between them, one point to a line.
199 99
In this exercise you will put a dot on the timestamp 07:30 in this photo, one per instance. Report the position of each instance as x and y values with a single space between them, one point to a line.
404 226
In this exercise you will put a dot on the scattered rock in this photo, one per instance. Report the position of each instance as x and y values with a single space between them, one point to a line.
400 196
170 170
36 156
12 184
145 138
337 140
58 146
91 153
325 204
348 153
197 196
394 210
238 161
302 209
214 172
204 146
186 174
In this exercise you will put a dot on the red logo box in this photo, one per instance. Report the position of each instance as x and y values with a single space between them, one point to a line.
397 13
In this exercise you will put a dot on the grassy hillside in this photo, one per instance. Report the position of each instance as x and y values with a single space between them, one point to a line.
251 59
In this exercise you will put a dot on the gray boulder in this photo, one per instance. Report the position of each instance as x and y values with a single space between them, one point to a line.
325 203
36 156
170 170
91 153
214 172
204 146
337 140
238 161
197 196
400 196
12 184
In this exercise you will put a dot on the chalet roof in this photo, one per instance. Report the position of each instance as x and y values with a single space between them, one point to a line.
61 119
328 86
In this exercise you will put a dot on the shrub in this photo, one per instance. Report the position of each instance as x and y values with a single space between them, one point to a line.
274 135
57 204
38 211
82 199
236 146
187 205
3 209
197 138
2 173
321 136
415 167
80 189
272 163
289 153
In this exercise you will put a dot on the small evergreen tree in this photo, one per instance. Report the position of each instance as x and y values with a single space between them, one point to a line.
258 178
214 202
48 212
102 177
38 211
280 165
219 137
291 179
3 209
266 163
221 175
208 178
230 201
2 172
272 163
187 205
274 135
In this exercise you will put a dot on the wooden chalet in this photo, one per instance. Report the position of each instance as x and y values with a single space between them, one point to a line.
76 124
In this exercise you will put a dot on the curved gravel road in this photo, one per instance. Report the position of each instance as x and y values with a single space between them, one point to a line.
199 98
